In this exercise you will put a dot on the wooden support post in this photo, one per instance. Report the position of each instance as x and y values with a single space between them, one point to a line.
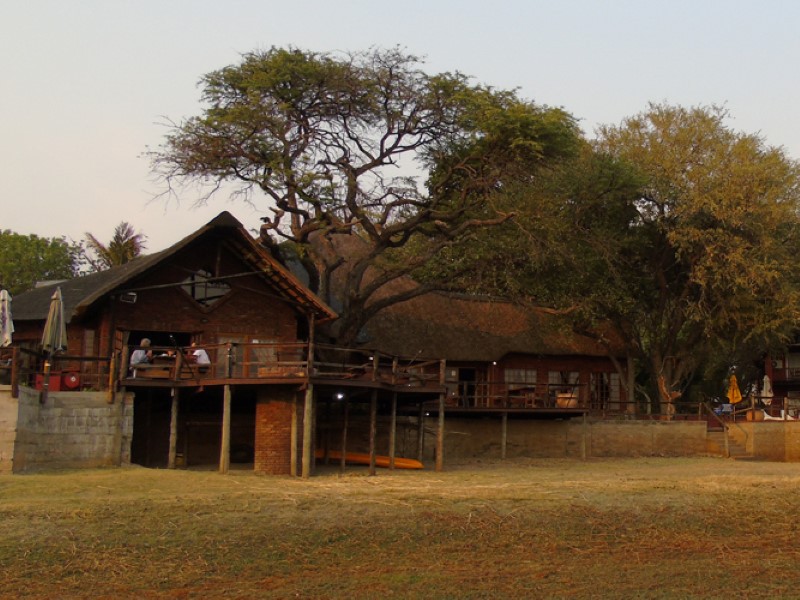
15 360
308 418
225 443
173 429
112 381
293 440
440 436
373 428
584 428
326 441
225 446
504 435
345 419
421 432
45 382
393 431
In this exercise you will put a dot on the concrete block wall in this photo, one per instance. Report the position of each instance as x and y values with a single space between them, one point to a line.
71 430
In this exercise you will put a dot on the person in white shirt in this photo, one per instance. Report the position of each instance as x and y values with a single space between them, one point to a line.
200 355
142 355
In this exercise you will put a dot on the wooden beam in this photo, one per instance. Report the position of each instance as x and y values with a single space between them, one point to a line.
421 432
393 431
373 428
293 439
225 445
45 382
308 418
504 435
173 429
584 428
440 436
345 419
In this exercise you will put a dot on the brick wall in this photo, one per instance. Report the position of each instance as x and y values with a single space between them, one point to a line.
274 429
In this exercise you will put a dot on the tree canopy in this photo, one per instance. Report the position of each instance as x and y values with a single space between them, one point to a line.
710 266
672 227
362 146
679 231
26 259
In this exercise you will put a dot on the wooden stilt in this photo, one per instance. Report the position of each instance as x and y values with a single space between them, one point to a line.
293 440
393 431
503 434
308 418
45 382
173 429
584 429
225 446
421 432
373 427
345 419
440 436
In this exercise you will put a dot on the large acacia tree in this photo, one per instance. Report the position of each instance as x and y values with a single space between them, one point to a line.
365 146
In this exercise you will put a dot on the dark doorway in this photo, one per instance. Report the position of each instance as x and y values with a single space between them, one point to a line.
151 416
466 385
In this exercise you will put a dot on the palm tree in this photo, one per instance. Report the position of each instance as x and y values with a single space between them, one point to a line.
124 246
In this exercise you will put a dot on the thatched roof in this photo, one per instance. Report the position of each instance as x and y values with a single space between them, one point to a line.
463 328
81 293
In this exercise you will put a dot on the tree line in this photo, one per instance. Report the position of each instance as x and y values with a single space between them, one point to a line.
26 260
672 229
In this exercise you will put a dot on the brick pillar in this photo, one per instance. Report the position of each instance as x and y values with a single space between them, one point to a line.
274 432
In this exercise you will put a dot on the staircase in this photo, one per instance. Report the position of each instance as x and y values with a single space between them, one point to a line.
715 443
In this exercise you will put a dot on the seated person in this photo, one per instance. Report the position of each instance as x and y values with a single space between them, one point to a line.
142 355
200 356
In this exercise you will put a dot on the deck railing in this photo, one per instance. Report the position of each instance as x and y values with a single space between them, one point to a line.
288 362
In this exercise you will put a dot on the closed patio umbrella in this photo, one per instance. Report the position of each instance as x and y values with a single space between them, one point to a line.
54 337
766 391
6 323
734 395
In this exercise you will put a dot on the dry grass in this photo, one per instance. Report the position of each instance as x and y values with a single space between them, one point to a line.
649 528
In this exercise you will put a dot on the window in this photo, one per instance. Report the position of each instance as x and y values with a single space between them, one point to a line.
515 378
605 391
203 290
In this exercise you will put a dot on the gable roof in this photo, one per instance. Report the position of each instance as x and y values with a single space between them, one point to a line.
81 292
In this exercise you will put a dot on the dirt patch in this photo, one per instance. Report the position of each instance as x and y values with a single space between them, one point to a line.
639 527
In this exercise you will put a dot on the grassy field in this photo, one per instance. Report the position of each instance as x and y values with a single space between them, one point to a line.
644 528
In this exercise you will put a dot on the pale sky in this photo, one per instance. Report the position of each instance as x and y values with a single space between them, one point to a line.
86 83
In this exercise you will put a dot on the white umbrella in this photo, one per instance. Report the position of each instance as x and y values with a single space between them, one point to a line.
54 337
766 391
6 323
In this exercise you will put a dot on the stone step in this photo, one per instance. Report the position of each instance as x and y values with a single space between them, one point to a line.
716 444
